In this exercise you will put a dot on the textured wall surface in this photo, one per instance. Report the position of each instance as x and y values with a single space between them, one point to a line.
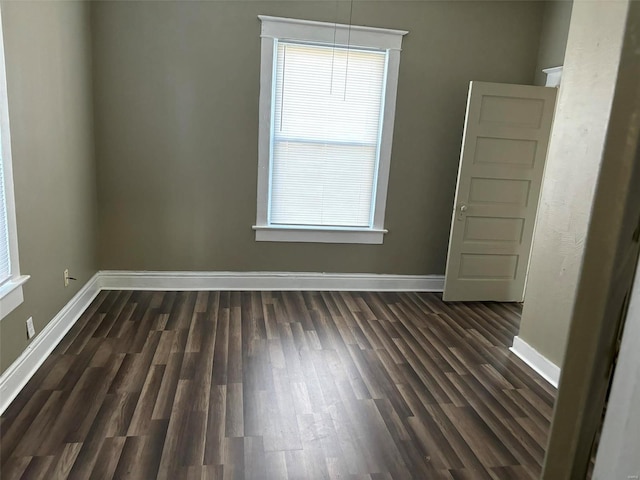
603 53
176 98
48 62
571 174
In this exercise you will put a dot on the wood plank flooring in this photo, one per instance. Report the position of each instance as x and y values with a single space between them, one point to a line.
281 385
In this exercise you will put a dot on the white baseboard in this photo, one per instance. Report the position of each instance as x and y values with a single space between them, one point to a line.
541 364
14 378
141 280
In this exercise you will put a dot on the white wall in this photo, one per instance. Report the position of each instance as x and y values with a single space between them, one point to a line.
571 173
608 32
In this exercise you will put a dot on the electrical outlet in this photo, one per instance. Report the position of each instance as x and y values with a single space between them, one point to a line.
66 277
31 331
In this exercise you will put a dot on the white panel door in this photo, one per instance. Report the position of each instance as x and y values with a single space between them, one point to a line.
501 165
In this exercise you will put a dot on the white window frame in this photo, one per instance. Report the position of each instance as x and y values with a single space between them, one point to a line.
276 28
11 294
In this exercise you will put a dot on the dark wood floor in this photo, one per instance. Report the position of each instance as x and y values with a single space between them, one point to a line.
270 385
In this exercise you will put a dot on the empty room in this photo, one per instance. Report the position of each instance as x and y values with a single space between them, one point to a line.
319 239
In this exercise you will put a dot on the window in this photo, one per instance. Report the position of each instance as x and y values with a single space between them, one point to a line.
10 279
327 106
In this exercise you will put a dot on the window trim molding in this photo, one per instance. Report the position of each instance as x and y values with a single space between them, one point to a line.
330 33
11 294
286 233
277 28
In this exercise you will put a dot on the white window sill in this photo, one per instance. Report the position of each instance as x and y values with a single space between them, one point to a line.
319 235
11 295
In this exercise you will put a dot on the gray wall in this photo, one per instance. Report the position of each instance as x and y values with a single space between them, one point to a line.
553 37
176 99
47 48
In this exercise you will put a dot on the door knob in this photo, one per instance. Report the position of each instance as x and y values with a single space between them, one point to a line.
462 211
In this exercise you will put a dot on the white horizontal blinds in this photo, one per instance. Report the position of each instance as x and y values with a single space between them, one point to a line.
325 132
5 260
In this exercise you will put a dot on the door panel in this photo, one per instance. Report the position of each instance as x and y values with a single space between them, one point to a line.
493 230
505 151
499 191
510 111
487 266
501 165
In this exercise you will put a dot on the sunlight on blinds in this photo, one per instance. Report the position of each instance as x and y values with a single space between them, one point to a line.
325 134
5 264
